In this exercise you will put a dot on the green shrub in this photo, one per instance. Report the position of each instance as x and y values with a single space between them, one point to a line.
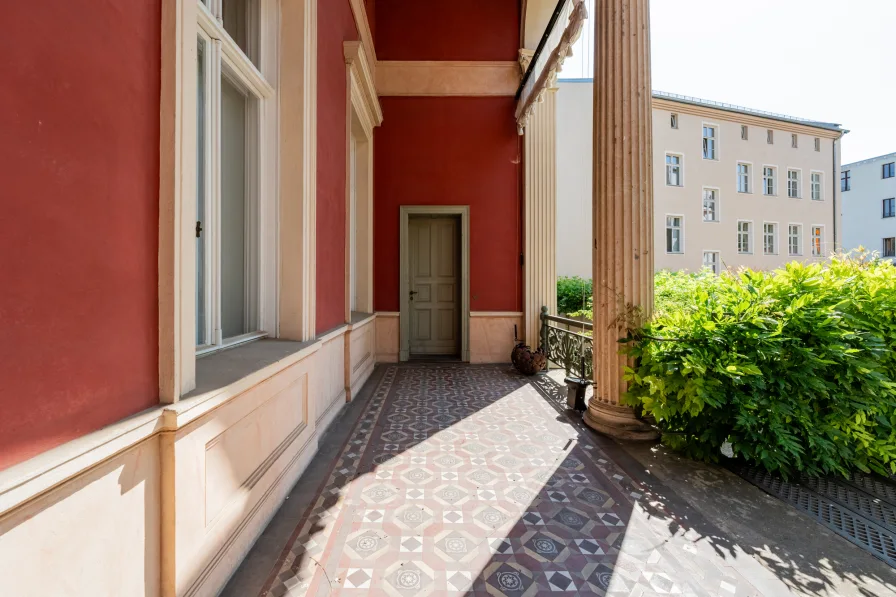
794 368
573 294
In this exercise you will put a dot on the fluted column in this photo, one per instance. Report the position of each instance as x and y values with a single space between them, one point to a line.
540 216
622 203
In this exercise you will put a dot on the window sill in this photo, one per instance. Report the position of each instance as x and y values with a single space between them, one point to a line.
712 221
674 252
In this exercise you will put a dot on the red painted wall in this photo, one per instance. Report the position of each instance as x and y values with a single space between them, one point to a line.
370 8
447 29
79 165
336 24
451 151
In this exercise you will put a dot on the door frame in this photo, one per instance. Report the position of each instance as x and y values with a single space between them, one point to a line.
406 211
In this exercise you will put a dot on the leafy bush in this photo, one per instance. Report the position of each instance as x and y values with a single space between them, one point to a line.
794 368
573 294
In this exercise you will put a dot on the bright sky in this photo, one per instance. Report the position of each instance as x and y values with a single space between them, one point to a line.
830 60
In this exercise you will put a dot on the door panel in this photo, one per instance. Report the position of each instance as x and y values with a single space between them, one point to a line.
434 302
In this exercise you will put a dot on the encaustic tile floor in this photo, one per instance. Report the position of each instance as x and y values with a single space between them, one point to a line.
472 480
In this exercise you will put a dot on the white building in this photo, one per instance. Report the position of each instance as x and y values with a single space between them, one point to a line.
869 204
732 186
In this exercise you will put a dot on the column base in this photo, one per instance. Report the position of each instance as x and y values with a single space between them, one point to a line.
618 421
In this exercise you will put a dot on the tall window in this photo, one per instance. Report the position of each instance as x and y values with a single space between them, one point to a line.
710 205
770 136
674 234
673 120
816 185
817 144
793 184
795 239
890 247
744 237
845 181
770 238
794 141
711 261
673 170
709 142
769 180
889 209
744 132
743 178
232 105
888 170
817 240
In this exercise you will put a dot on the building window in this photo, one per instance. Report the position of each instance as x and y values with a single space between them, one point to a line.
793 184
673 170
674 120
711 261
710 205
744 132
769 180
889 208
770 137
890 247
817 144
845 181
770 238
889 170
744 237
816 191
795 239
233 112
743 178
817 240
709 142
674 234
794 142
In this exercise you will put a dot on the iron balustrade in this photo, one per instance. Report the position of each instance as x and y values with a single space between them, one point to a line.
563 345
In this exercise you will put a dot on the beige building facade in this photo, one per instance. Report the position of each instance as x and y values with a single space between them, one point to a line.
732 187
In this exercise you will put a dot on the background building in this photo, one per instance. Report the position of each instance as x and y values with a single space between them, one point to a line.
732 186
869 204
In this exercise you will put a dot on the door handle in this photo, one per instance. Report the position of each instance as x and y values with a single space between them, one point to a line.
411 294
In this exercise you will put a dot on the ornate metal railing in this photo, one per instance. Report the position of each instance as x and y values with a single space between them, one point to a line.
567 342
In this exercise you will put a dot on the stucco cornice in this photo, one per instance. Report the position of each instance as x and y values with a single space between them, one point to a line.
447 78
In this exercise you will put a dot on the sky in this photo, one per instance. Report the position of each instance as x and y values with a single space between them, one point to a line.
829 60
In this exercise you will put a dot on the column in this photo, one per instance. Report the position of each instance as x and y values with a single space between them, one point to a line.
622 204
540 215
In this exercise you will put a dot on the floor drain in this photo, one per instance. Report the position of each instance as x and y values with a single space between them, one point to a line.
865 517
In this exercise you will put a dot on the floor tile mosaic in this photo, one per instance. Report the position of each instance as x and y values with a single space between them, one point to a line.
462 480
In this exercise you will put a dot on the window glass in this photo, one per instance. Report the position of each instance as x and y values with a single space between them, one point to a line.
889 210
710 205
201 219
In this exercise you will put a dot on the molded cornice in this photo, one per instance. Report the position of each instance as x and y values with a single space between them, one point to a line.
447 78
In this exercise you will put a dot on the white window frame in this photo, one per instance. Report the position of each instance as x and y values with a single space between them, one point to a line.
820 185
680 234
670 167
773 237
799 183
715 141
774 179
716 203
749 176
817 248
799 239
716 265
749 237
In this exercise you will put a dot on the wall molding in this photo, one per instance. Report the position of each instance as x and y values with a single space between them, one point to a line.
362 22
447 78
496 313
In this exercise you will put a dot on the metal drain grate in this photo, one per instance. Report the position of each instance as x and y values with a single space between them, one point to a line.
879 488
872 508
873 537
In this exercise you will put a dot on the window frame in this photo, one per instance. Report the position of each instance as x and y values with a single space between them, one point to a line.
794 141
799 183
888 170
716 267
817 249
680 234
774 238
679 166
716 203
749 176
820 175
749 237
715 128
799 239
845 181
883 248
774 179
673 120
892 211
817 143
744 132
770 136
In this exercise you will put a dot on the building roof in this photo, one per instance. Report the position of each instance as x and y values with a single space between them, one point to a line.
888 156
696 101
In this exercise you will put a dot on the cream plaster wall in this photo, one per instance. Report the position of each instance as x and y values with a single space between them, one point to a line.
387 337
574 185
492 336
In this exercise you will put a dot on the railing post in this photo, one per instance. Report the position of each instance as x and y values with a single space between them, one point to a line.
544 330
